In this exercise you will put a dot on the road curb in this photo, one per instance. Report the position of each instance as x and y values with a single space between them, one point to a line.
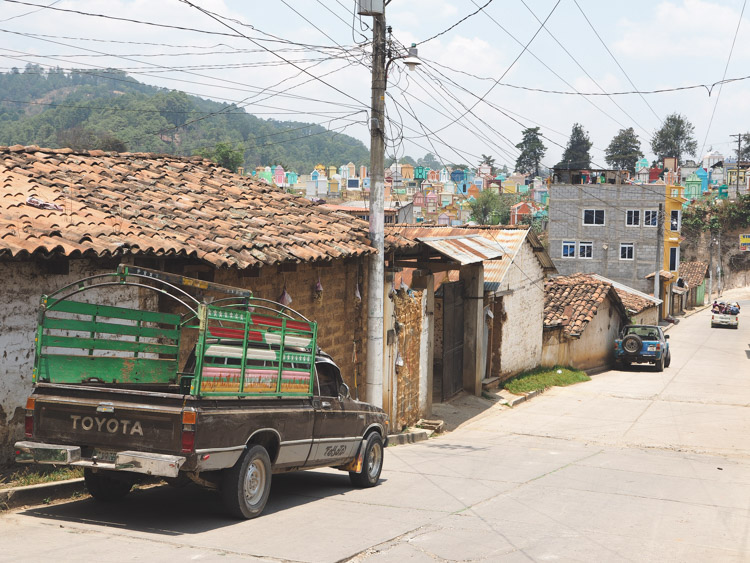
408 437
40 494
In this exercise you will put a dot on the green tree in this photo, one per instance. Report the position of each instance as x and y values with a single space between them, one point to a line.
745 149
532 151
224 154
576 155
430 161
489 161
674 138
624 150
406 159
491 208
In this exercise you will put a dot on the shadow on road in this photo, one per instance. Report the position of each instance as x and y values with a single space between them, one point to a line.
191 509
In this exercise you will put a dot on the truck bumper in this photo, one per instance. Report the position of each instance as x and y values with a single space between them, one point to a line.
136 462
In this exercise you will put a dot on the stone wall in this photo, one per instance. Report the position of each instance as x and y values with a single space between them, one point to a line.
408 309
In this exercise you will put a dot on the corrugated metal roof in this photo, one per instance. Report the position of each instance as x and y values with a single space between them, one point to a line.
466 249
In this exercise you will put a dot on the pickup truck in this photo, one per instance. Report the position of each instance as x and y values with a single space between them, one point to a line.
224 393
643 344
725 315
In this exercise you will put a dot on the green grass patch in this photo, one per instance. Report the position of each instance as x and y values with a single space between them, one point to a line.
29 476
543 378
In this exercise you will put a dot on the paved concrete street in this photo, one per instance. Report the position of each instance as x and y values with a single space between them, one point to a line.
631 466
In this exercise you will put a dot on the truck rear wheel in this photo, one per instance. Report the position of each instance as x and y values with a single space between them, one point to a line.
246 486
372 463
107 486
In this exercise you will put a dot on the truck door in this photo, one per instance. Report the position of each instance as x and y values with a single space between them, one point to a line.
337 430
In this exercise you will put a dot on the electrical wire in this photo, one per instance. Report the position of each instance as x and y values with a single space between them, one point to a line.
615 59
726 67
525 48
474 13
29 13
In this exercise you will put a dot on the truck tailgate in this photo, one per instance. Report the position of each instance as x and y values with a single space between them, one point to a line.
116 422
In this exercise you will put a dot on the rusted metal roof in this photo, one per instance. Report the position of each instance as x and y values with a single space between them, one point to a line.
465 249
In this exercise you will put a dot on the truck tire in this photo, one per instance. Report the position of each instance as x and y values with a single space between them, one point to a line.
107 486
372 463
246 486
632 344
660 364
668 359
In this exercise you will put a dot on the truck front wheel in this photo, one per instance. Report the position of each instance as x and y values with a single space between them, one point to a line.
246 486
106 486
372 463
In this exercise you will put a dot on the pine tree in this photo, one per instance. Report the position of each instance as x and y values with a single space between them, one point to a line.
576 155
624 150
532 151
674 139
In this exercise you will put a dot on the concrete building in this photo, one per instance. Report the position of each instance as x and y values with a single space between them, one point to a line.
607 229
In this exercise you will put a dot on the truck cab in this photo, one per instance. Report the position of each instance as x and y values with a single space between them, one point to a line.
643 344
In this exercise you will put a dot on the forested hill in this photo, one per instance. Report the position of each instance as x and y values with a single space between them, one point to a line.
112 111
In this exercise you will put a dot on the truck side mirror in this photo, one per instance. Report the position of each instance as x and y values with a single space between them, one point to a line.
666 337
344 391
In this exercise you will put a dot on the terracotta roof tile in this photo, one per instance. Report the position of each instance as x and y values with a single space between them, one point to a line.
573 301
143 203
693 273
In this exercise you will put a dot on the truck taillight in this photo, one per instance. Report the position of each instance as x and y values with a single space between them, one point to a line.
29 421
189 418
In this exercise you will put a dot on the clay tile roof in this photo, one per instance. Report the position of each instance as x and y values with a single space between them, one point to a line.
107 204
693 273
571 302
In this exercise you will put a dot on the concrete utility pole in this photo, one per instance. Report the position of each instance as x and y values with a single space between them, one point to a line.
739 151
659 255
376 277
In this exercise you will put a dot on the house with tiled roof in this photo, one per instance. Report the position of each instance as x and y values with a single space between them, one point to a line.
642 308
582 317
509 298
694 275
67 215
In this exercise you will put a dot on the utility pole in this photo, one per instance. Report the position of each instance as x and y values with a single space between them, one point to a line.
376 277
719 268
659 255
710 265
737 178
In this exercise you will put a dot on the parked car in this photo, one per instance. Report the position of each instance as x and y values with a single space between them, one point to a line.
640 344
255 397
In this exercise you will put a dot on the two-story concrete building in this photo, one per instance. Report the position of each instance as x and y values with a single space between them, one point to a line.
611 230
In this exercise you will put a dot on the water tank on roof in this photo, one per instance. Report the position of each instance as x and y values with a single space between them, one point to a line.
370 7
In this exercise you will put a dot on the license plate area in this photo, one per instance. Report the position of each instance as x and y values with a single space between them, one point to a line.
652 348
105 456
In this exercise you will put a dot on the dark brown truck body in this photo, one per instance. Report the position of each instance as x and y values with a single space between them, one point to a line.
101 422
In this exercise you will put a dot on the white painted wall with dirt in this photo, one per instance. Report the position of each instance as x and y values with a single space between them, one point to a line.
521 319
23 283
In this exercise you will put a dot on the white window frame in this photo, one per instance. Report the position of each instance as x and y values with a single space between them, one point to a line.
631 246
654 213
637 214
589 244
676 258
679 220
569 243
594 224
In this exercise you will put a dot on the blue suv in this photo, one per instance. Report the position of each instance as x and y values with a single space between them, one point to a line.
643 344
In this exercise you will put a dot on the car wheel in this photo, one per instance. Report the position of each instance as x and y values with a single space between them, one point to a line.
660 364
372 464
246 486
107 486
668 359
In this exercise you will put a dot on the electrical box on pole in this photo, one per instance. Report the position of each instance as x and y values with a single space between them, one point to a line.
370 7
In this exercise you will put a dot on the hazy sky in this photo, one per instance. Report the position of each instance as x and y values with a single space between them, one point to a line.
439 108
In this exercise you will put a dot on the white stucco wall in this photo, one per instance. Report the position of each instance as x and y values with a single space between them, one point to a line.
593 349
23 283
521 345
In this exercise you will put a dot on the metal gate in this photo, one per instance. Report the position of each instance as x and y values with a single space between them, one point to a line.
453 338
